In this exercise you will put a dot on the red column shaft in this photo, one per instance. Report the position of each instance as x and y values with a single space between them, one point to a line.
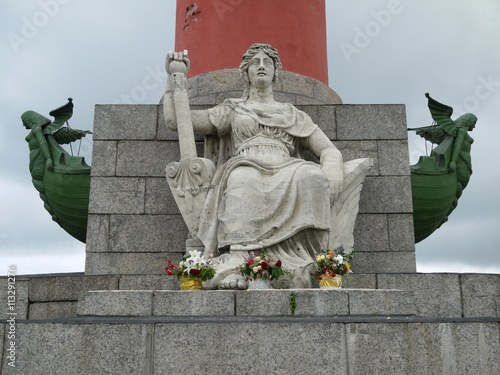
218 32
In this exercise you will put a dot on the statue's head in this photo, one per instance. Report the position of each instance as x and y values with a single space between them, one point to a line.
31 120
254 50
467 121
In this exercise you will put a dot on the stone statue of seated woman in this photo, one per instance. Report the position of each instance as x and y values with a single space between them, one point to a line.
259 193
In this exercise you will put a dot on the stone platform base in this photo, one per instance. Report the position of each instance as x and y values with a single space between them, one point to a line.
255 345
434 324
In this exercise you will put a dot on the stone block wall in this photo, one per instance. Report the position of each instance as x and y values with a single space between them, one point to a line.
437 296
135 227
288 346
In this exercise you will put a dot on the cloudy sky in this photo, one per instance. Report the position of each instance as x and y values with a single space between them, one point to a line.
379 51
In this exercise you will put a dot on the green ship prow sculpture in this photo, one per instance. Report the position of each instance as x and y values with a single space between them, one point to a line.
62 180
438 180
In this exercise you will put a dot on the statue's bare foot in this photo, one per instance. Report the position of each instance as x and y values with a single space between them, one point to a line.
233 282
301 278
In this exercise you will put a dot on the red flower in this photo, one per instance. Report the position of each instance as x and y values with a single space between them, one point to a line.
195 272
320 278
264 264
169 261
169 273
166 269
251 261
278 263
172 266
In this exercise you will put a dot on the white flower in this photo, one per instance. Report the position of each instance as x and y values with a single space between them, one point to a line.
339 259
195 254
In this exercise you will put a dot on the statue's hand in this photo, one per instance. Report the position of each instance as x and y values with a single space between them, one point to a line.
453 166
336 189
177 62
336 182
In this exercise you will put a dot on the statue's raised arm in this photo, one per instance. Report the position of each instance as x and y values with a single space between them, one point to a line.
177 66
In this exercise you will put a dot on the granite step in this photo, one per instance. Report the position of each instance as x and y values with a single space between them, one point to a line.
276 302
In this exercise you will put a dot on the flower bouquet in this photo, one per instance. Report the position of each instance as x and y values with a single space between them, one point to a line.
258 271
331 266
193 269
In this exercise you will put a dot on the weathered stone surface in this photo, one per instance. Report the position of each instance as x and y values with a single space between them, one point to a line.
97 233
423 348
71 349
384 261
393 157
7 351
481 295
297 84
147 233
52 310
120 122
193 303
381 302
371 121
68 288
320 302
116 303
401 233
159 198
436 295
308 302
147 159
324 117
148 282
360 149
104 158
304 347
391 194
263 302
218 81
129 263
371 233
117 195
304 100
359 281
19 286
212 348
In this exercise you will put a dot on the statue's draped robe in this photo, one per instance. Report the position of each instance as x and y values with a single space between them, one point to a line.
264 197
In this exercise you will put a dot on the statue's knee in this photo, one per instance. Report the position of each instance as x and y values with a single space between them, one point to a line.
313 178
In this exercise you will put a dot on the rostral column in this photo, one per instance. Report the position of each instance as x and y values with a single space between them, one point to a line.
218 32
